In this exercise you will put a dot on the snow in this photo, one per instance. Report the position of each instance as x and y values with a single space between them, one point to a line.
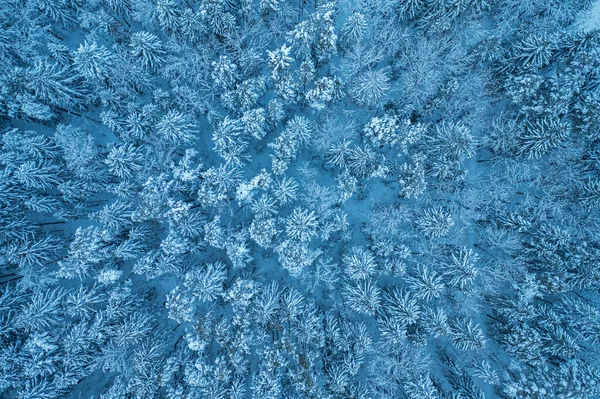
590 19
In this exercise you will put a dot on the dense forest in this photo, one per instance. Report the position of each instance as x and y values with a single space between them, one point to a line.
346 199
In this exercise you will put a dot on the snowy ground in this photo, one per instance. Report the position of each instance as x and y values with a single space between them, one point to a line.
590 19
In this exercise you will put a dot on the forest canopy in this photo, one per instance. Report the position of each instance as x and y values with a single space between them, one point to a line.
370 199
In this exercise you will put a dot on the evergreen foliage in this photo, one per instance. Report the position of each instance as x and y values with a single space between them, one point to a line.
312 199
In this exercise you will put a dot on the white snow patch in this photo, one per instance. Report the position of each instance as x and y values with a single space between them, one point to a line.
590 19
